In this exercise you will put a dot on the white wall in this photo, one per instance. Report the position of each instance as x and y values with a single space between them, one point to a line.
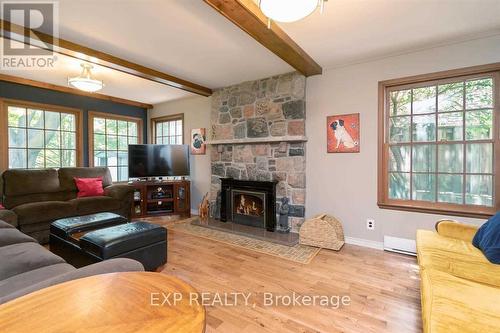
196 114
345 185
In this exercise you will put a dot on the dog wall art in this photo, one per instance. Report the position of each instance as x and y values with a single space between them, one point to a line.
342 133
198 138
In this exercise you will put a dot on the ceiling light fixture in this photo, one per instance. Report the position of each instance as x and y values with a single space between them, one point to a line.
85 81
289 10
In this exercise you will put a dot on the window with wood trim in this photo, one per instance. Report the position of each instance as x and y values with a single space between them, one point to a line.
41 136
109 137
440 145
168 130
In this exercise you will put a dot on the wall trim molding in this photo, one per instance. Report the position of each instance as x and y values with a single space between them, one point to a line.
348 240
365 243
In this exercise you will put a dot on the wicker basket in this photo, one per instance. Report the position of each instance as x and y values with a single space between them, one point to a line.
323 231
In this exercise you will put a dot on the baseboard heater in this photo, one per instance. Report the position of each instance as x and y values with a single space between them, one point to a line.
400 245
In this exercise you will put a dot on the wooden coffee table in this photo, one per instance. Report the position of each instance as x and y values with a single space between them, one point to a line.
116 302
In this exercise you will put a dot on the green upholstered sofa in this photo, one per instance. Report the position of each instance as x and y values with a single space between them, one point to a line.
35 198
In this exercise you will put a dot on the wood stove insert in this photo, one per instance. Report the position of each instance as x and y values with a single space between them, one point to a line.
249 202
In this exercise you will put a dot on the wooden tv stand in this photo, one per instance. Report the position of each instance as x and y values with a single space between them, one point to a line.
161 197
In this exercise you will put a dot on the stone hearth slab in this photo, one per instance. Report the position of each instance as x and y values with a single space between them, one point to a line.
287 239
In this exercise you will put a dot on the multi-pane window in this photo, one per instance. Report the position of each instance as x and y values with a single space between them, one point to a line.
111 137
41 138
440 143
168 131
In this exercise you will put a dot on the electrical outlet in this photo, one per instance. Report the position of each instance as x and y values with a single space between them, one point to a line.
370 224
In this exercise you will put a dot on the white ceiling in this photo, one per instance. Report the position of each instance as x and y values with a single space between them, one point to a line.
189 39
116 83
351 31
185 38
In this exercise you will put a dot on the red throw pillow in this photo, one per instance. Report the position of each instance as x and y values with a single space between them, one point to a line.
89 187
2 207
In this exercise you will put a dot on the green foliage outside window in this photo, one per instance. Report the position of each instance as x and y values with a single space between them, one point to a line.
111 140
441 143
40 138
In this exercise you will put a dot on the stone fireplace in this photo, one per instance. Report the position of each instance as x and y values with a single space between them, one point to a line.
247 202
258 134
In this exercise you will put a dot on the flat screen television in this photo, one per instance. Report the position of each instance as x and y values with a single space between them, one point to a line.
158 161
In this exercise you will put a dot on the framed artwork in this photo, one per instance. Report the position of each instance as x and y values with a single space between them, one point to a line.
198 138
342 133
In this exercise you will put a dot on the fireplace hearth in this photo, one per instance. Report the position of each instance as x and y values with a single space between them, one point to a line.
250 203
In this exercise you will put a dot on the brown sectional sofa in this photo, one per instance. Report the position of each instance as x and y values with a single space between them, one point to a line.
35 198
27 266
9 217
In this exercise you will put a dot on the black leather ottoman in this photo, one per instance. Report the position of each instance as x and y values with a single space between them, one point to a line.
84 240
70 228
142 241
65 234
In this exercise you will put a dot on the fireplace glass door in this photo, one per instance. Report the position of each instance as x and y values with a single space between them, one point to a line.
248 208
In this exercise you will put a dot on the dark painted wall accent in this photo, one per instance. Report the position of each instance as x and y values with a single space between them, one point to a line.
46 96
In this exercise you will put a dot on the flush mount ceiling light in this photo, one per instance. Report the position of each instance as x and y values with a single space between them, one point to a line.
85 81
289 10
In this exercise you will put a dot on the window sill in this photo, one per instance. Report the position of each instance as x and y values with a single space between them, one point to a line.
462 211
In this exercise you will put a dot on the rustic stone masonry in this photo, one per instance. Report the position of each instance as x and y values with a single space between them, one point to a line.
272 107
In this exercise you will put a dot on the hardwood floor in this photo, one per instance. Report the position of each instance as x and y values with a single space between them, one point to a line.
383 287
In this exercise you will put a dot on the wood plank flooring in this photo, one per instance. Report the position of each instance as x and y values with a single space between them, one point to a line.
383 287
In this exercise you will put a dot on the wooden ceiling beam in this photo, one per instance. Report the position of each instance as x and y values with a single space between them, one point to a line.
249 18
74 91
19 33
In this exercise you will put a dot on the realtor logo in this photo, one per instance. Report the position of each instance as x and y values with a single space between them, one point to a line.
28 48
